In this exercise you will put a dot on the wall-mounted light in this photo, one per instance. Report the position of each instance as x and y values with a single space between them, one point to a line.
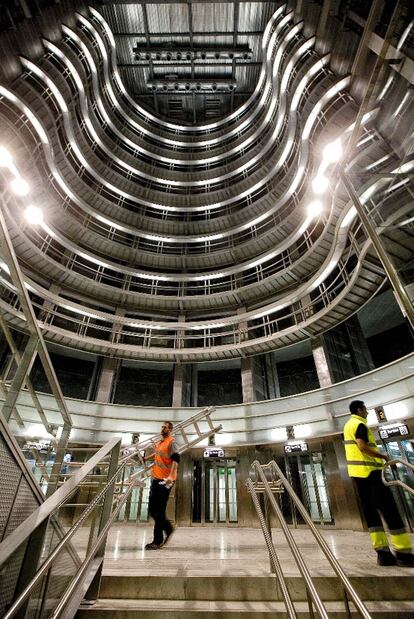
6 159
333 151
34 215
320 184
278 434
19 186
314 208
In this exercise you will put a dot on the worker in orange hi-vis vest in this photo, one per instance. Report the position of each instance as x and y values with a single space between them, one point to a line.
164 474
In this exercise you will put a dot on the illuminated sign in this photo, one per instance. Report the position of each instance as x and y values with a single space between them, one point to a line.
393 431
296 447
214 453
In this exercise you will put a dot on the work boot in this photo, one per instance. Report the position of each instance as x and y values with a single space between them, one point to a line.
168 536
152 546
385 558
405 559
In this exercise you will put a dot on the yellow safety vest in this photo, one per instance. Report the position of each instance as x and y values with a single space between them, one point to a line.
359 464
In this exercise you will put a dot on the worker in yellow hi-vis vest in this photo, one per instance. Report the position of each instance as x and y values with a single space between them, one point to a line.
364 466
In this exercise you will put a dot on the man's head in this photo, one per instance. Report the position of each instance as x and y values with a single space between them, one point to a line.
357 407
166 428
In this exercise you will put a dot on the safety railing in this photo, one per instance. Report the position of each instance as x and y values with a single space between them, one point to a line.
56 554
395 481
269 479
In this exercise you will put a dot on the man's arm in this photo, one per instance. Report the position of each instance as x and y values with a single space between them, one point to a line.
361 438
175 457
370 451
173 475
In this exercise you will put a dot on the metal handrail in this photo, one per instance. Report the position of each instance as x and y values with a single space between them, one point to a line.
54 502
277 474
274 559
63 542
303 569
397 482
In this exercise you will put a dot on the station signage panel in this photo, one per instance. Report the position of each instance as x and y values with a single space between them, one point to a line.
393 431
213 452
296 448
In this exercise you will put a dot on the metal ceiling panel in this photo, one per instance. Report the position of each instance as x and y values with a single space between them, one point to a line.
254 15
167 18
213 17
124 18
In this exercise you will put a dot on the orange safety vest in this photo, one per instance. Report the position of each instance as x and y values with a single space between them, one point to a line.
161 468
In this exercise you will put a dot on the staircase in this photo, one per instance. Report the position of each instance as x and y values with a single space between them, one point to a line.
224 573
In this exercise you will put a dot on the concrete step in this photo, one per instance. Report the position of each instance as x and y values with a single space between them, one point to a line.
397 585
190 609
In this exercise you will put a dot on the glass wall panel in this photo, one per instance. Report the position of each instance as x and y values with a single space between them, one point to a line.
217 387
144 387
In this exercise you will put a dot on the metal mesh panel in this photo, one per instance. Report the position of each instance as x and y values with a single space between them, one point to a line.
47 593
17 501
23 506
9 574
10 477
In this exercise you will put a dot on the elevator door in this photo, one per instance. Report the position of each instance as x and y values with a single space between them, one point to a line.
306 473
214 492
404 449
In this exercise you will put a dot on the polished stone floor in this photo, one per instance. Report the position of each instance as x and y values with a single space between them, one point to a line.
210 550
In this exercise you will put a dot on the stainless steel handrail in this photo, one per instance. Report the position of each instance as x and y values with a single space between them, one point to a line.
63 542
277 474
54 502
303 569
397 482
274 559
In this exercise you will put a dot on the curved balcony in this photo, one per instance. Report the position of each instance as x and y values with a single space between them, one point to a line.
237 268
316 413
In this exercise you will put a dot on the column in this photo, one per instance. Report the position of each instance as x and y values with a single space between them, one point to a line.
247 379
110 365
106 379
246 368
177 395
321 363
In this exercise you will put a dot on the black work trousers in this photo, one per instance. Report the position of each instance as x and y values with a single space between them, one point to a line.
376 499
158 500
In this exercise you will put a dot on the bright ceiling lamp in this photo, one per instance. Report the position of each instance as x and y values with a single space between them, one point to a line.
5 158
19 186
33 215
314 208
320 184
333 151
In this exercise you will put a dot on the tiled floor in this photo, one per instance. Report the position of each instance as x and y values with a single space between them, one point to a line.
203 551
